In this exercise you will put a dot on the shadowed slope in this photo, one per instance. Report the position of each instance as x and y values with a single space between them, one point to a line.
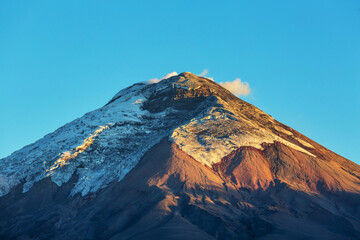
189 192
318 195
169 195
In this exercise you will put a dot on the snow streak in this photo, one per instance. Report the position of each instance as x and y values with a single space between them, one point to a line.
66 156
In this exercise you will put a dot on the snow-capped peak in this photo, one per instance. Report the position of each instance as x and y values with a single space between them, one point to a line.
205 120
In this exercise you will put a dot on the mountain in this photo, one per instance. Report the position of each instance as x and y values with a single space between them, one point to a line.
181 158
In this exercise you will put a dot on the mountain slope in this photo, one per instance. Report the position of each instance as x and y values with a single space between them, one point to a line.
169 195
182 158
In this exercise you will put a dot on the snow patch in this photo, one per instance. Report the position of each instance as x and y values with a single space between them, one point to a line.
210 137
306 144
52 153
280 129
107 155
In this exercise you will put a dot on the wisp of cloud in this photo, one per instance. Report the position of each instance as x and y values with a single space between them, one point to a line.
237 87
204 73
156 80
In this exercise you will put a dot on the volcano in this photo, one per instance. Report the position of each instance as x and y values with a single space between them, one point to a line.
179 159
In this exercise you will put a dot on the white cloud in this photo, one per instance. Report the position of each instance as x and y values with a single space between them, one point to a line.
156 80
204 73
237 87
153 80
169 75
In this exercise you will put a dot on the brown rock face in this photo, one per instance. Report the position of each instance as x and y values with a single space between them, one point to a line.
254 169
246 167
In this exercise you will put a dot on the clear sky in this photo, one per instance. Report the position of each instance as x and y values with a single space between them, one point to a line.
61 59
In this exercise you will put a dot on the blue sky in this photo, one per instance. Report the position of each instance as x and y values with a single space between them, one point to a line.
61 59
